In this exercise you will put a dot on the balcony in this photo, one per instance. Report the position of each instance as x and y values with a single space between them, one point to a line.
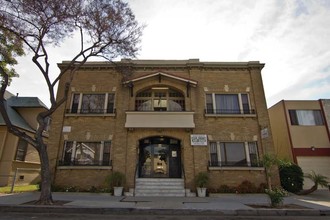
159 119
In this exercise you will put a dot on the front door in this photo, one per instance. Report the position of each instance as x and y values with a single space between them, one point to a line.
160 157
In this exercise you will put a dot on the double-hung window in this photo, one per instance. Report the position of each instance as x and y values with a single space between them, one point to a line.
21 150
86 153
233 154
93 103
228 104
306 117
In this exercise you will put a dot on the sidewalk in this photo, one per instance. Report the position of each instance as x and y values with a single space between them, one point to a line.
315 204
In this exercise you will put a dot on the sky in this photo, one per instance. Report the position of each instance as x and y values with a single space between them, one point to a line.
292 38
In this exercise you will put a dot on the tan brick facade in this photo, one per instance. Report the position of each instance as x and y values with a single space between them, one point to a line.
191 78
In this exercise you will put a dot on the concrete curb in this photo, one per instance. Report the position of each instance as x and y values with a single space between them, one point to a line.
141 211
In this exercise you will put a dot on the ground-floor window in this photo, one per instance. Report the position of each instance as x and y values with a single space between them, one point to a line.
233 154
86 153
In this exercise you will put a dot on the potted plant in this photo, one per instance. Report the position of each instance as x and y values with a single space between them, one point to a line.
201 181
116 181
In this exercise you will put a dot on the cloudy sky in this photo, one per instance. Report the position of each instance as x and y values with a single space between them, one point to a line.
292 37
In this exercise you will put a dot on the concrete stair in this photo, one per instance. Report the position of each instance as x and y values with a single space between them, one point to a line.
159 187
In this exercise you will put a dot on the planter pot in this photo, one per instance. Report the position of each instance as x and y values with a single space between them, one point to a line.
118 191
201 192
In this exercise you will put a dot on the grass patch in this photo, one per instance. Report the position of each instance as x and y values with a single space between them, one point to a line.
18 189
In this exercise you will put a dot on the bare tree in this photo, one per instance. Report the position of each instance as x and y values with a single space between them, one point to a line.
107 28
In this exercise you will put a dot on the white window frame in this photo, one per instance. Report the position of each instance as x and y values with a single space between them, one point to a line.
239 101
74 148
105 106
246 149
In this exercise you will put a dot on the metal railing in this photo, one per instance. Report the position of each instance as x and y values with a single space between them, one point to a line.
85 163
90 111
230 111
234 164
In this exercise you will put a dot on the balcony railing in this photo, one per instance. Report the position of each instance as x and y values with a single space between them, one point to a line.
234 164
90 111
230 111
85 163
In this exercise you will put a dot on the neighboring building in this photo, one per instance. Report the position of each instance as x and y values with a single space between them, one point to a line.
161 120
301 134
17 157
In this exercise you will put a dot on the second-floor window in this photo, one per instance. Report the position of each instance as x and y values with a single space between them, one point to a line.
306 117
228 104
160 99
93 103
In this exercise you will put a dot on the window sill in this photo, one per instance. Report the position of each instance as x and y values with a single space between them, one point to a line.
231 115
237 168
89 115
84 167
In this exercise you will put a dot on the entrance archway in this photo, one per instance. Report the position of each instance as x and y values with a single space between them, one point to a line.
159 157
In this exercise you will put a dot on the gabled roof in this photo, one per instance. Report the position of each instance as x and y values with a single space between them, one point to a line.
13 102
190 81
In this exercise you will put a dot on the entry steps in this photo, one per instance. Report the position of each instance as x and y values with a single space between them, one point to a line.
160 187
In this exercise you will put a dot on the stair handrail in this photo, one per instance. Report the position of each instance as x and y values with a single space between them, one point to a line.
183 176
136 176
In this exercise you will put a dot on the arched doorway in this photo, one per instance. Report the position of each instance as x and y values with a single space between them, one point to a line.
160 157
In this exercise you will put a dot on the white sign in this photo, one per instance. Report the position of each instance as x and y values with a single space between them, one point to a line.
198 139
66 129
174 154
264 133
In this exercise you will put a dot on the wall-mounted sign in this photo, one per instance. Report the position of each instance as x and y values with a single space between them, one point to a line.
264 133
66 129
174 154
198 139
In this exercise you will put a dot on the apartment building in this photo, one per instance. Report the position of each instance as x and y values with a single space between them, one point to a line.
161 121
18 159
301 134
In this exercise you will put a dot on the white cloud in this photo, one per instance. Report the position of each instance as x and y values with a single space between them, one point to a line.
291 37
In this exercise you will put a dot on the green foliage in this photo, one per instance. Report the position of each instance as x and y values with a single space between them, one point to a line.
19 189
268 161
276 196
10 48
292 177
318 179
115 179
202 179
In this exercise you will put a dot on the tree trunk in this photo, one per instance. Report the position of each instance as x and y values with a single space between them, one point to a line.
307 191
269 182
46 193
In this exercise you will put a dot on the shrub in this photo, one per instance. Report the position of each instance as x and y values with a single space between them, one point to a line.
226 189
246 187
115 179
202 179
262 187
276 196
292 177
